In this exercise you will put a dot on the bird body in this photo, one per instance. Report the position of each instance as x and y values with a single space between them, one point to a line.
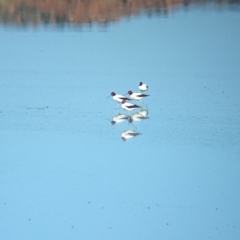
119 98
137 96
143 87
129 106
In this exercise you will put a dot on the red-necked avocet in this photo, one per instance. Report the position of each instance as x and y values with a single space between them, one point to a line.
119 98
136 96
119 118
143 87
129 134
129 106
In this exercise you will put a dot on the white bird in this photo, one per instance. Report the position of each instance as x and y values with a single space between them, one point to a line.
143 87
117 97
129 134
136 96
129 106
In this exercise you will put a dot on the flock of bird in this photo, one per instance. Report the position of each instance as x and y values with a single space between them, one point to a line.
128 106
132 96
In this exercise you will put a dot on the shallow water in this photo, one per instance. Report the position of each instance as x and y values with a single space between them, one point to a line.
65 171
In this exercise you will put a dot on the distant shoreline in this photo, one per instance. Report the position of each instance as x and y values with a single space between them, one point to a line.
30 12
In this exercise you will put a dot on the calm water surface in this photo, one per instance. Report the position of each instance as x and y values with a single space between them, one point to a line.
65 171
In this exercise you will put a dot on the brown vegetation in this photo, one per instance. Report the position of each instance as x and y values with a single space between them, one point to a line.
36 12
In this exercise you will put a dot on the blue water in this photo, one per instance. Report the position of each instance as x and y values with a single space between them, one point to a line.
66 173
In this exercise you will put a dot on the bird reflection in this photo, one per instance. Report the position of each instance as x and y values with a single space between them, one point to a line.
119 118
129 134
137 117
144 112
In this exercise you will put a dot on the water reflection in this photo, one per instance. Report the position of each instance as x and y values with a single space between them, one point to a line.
135 117
129 134
119 118
78 12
